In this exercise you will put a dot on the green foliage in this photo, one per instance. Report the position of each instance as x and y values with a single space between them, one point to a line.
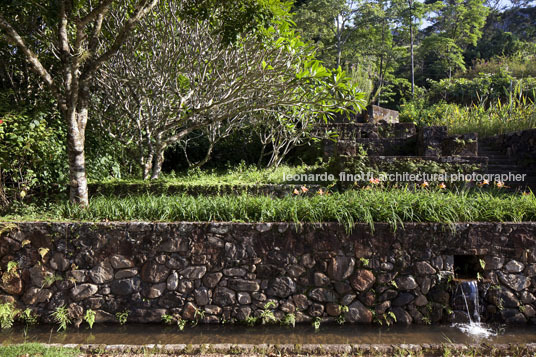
89 317
33 159
168 319
106 159
251 321
238 174
29 317
395 206
122 317
495 96
12 267
267 315
316 323
8 312
484 89
355 35
441 56
199 314
316 21
242 177
498 118
11 272
289 320
461 20
50 279
32 154
360 77
240 16
505 33
410 164
62 318
36 349
181 324
341 319
392 315
518 64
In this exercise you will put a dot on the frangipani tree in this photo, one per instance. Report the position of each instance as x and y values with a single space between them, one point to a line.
74 32
185 76
77 37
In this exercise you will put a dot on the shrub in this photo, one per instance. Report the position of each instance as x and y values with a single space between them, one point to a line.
32 154
7 315
498 118
485 89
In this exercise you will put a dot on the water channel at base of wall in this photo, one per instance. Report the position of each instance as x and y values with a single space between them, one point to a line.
141 334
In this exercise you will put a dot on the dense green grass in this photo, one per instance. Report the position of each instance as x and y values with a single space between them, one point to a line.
36 349
238 175
394 206
497 118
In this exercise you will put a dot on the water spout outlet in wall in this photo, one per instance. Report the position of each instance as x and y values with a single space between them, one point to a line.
468 291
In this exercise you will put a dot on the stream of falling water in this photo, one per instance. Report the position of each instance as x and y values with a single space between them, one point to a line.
474 328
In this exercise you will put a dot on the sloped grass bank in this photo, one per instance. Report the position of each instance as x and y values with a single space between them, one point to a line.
238 175
37 349
394 206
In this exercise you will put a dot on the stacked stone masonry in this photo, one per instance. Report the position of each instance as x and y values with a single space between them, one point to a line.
520 146
397 139
231 270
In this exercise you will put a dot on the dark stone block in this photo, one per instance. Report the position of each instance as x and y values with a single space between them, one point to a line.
429 140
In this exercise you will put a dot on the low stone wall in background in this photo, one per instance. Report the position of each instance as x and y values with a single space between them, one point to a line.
397 139
520 145
230 271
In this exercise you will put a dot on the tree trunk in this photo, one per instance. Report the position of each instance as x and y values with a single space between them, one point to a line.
76 123
147 162
275 156
411 46
158 161
206 158
261 156
339 51
147 165
380 86
3 198
73 93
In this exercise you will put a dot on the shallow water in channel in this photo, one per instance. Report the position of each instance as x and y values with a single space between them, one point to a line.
140 334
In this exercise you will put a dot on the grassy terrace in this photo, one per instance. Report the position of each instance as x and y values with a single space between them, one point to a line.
366 205
240 179
238 175
36 349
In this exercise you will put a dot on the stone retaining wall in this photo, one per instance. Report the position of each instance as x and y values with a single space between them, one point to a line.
381 165
230 271
398 139
520 145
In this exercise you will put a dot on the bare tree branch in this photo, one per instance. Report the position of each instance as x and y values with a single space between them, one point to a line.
32 58
142 8
191 80
94 14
